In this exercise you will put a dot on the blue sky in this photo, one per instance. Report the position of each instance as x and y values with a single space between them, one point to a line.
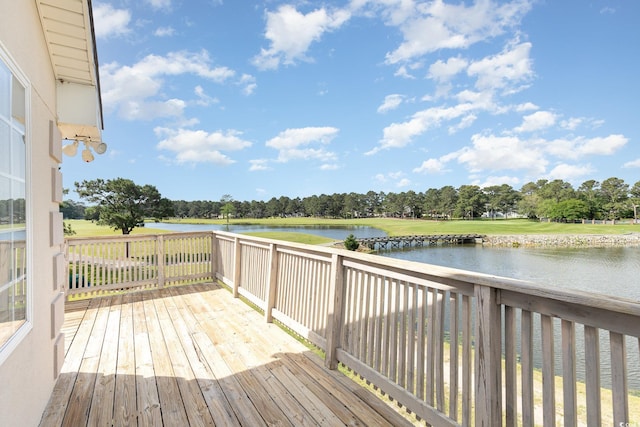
272 98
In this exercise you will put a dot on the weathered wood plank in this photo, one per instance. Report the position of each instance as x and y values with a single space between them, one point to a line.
125 402
217 402
59 401
173 411
147 400
192 399
79 401
105 382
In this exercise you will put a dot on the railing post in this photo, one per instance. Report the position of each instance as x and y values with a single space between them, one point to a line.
237 266
273 282
214 256
488 368
335 311
160 259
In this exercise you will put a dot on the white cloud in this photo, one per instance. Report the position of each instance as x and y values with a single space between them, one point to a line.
329 167
134 90
537 121
571 123
159 4
391 102
427 27
204 100
293 144
632 164
499 180
259 165
579 147
109 21
466 122
431 166
445 71
602 146
527 106
570 172
199 146
490 152
398 135
248 82
380 178
404 182
404 73
164 32
507 71
291 33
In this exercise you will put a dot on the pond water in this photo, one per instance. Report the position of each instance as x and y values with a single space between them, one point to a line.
610 271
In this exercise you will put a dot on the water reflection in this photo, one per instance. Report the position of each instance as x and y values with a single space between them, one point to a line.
610 271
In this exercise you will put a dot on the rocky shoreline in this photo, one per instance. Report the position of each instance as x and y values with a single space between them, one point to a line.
563 240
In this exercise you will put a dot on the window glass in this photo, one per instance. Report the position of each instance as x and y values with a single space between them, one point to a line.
18 153
14 295
5 88
5 147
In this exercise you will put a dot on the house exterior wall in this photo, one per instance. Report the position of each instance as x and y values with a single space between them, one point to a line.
28 374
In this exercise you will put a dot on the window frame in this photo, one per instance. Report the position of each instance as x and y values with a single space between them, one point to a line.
9 346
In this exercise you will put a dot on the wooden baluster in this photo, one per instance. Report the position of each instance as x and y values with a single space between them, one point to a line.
511 402
570 401
526 350
619 390
548 372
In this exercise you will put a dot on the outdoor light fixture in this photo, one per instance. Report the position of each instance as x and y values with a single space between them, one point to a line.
87 155
72 149
98 147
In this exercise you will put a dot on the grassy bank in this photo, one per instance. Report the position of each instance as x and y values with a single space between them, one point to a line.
393 227
399 227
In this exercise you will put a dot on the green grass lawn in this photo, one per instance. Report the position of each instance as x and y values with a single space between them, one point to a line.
399 227
393 227
85 228
309 239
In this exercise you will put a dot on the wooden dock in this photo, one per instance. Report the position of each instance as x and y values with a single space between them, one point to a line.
194 355
399 242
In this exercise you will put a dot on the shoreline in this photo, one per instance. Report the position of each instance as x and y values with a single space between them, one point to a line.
563 240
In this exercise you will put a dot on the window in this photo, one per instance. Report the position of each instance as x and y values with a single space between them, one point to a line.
14 290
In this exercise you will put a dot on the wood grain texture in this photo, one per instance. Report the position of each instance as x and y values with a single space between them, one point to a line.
193 355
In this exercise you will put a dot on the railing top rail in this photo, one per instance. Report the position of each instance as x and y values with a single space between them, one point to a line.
136 237
102 239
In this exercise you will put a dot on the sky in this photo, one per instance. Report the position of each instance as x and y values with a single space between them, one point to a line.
206 98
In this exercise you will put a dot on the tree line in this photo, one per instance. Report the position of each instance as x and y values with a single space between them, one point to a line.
120 199
556 200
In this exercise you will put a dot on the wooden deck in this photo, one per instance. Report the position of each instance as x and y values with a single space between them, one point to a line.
191 356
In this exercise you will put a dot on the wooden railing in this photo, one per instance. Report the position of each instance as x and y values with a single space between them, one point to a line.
453 347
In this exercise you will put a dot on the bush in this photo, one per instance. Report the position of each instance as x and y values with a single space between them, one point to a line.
351 243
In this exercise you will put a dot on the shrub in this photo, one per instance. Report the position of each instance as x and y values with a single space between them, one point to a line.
351 243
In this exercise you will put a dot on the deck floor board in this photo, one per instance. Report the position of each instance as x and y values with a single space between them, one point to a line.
195 356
